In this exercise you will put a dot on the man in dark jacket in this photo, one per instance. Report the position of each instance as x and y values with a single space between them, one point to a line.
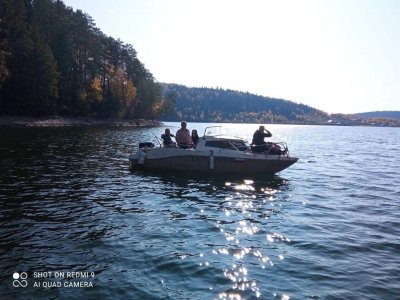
258 139
166 137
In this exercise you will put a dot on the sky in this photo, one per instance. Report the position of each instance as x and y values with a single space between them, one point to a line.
339 56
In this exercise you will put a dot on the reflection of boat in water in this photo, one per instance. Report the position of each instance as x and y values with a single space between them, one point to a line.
213 154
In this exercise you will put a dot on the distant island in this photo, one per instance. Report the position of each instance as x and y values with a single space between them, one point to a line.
54 62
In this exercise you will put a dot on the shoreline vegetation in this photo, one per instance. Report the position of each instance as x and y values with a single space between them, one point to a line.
61 121
56 121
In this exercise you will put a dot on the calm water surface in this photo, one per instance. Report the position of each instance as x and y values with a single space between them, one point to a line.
326 228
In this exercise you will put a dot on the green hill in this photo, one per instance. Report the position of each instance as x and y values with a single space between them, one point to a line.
219 105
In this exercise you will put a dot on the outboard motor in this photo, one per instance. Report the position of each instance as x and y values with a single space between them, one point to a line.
143 148
146 145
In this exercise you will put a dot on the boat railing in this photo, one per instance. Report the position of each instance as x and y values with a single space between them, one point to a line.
271 148
278 148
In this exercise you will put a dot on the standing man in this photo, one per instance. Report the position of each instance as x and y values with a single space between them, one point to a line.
183 138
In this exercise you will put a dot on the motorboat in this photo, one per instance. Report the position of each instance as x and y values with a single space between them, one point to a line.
214 153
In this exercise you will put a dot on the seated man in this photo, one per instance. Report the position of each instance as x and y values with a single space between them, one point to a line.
183 138
258 143
166 137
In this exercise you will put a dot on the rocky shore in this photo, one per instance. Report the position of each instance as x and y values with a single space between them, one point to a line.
72 121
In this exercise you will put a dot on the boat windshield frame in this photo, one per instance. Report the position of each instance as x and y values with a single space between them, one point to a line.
210 133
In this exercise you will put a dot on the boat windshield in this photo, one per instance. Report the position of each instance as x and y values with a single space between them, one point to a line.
228 144
240 145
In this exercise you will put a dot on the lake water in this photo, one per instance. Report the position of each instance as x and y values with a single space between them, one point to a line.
326 228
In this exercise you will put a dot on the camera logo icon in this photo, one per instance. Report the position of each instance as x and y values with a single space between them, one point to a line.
20 279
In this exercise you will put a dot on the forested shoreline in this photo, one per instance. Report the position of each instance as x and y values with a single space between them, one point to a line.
220 105
55 61
202 104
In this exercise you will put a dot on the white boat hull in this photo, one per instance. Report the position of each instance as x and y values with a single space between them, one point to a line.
225 161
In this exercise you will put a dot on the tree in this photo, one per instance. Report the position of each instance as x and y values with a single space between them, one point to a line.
32 85
123 93
4 53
